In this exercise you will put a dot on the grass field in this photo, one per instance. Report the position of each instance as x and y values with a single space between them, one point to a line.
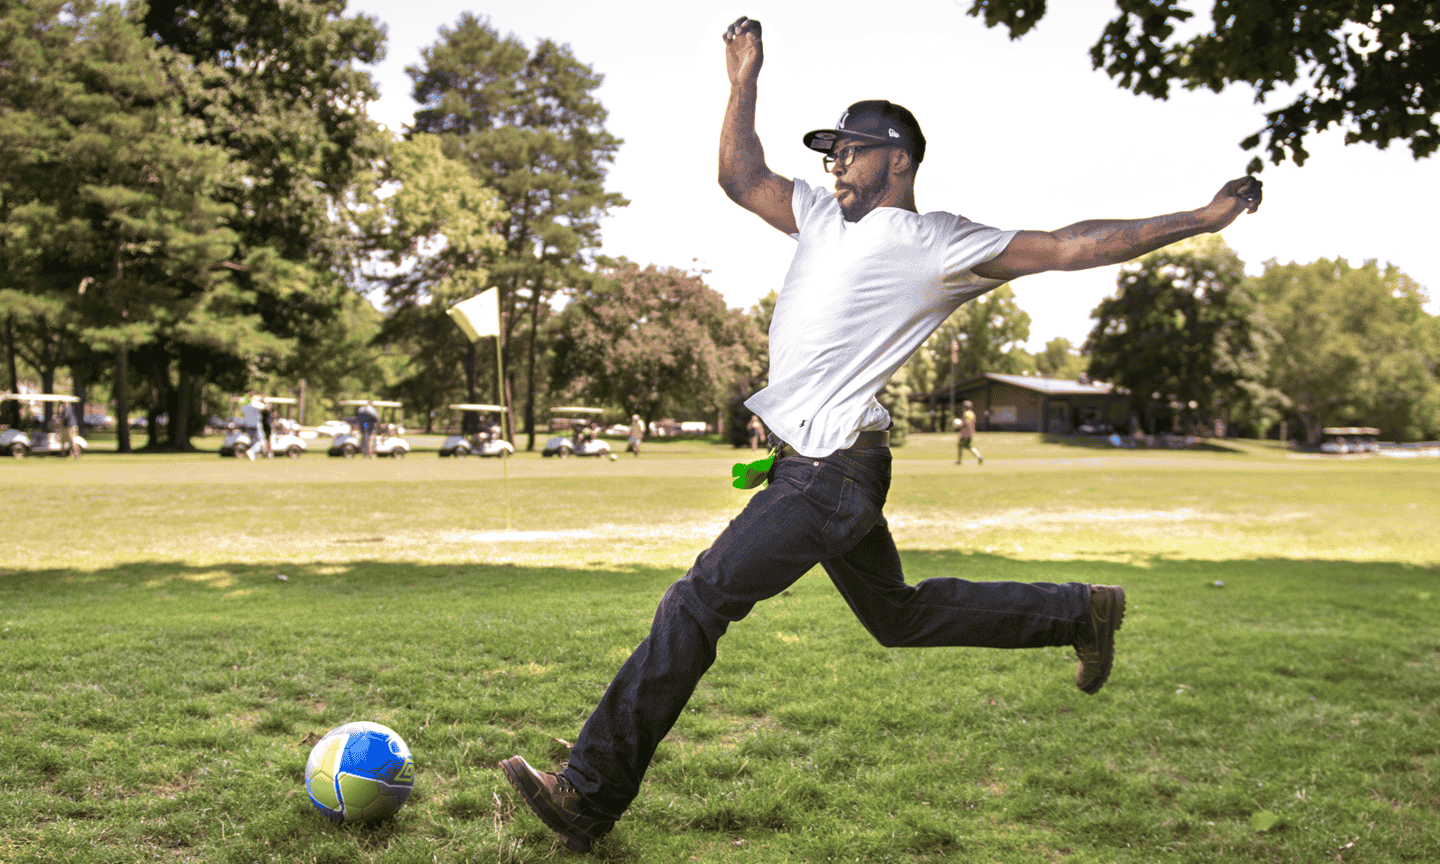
160 687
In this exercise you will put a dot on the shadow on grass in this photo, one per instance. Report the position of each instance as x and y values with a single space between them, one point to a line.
243 578
1098 442
1390 588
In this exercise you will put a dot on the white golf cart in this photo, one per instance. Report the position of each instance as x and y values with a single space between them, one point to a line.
486 442
349 444
1349 439
583 439
20 443
284 432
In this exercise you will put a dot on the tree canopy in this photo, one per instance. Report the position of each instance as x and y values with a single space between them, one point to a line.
526 124
652 340
1354 346
1182 329
1366 67
116 239
436 229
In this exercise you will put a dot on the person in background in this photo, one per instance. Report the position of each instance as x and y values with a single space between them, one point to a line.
70 428
369 418
267 426
965 423
250 418
756 430
637 434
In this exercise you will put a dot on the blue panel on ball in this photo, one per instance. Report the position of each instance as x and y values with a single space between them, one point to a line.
370 755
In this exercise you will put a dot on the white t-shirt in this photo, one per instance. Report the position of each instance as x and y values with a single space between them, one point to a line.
859 299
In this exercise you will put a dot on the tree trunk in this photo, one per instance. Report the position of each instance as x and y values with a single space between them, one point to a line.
180 413
159 395
510 410
469 420
81 386
11 408
47 385
534 330
122 400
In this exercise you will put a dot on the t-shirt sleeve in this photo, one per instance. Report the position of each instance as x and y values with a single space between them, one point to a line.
972 244
807 201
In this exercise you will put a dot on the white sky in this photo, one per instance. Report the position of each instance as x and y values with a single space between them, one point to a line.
1020 135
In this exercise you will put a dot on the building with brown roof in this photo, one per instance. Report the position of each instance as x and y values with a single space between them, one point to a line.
1031 403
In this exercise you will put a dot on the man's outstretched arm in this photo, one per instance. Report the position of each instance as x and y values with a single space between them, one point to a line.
1097 242
743 173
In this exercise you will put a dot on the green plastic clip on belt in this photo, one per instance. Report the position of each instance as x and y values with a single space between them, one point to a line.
748 475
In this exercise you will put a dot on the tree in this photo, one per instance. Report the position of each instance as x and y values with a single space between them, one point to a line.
1184 328
1368 67
990 330
111 220
527 125
651 341
279 91
983 335
437 230
1060 359
737 416
277 87
1353 345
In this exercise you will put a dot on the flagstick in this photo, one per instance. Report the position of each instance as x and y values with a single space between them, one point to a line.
504 416
477 317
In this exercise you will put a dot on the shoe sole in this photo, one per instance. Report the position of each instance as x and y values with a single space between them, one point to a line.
1107 642
519 777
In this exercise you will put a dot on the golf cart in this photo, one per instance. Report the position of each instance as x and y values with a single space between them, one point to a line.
388 442
1349 439
20 443
284 432
486 442
584 440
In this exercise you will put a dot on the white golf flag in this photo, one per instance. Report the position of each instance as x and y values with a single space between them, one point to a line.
478 316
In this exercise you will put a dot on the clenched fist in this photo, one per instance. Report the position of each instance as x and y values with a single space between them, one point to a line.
743 50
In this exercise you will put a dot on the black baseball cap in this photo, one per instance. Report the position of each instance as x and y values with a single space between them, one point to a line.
873 120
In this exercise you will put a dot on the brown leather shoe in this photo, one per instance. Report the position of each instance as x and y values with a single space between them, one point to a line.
1096 649
552 798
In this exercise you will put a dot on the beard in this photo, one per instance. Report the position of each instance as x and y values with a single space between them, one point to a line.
855 201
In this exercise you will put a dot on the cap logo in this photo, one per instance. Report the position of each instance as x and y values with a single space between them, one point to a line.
843 118
894 134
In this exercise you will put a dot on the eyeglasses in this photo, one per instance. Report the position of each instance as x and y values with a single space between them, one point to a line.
845 155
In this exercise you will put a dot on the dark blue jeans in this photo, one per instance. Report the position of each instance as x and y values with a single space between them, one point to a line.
816 511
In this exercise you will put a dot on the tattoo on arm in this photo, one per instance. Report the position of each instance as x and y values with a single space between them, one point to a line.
741 155
1098 242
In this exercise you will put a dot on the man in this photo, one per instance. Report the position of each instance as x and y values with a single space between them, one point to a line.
872 278
966 424
369 417
267 427
70 429
637 434
250 419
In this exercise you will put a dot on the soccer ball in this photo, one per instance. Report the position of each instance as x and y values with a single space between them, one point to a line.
359 772
613 457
